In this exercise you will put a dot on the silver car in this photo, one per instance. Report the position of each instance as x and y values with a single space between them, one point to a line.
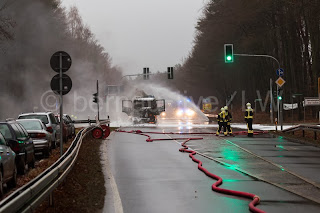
42 139
49 120
8 171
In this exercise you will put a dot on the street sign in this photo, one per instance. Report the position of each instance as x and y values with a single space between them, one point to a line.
280 82
62 59
311 101
280 72
66 84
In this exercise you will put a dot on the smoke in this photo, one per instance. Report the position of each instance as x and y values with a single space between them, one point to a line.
25 73
113 107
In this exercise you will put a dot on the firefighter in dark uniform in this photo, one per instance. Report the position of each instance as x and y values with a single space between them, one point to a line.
228 120
249 119
222 122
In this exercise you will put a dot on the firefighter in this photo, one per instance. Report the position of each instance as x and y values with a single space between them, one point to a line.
249 119
222 122
228 120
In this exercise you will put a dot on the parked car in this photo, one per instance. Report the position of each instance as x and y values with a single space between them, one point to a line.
8 168
71 124
39 134
49 120
20 142
66 129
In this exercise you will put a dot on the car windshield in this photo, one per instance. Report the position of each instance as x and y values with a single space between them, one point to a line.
31 125
43 118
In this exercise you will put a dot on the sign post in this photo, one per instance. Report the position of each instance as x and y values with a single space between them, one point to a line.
61 62
280 82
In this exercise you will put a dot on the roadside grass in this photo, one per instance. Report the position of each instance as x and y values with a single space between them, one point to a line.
83 189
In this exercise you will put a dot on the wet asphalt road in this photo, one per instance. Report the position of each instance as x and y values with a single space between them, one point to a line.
156 177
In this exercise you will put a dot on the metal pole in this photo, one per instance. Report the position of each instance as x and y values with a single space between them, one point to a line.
304 110
253 55
271 102
278 105
98 98
292 108
61 108
266 56
281 115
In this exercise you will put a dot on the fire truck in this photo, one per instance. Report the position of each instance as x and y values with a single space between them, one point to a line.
208 110
143 109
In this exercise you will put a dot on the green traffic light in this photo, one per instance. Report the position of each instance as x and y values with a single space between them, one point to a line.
229 58
279 97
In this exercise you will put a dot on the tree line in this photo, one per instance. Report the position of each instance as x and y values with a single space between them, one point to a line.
30 32
289 30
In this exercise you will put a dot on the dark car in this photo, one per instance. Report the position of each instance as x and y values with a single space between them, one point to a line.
20 142
8 168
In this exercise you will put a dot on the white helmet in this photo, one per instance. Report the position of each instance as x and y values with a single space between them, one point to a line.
248 104
226 108
222 109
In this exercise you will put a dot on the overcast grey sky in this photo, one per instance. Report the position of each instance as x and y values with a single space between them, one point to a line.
142 33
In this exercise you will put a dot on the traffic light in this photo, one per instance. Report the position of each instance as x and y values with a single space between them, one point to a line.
170 72
95 98
279 94
146 73
228 53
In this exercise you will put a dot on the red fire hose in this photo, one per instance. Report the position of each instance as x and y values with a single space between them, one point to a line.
215 187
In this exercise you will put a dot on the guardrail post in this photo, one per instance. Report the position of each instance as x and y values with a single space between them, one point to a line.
51 199
315 135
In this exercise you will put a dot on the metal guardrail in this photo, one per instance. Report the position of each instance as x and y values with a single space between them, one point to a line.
90 121
304 127
29 196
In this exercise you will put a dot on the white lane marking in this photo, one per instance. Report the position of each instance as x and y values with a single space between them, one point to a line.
250 174
118 208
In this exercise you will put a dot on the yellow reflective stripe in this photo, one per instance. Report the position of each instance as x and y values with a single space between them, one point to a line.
248 116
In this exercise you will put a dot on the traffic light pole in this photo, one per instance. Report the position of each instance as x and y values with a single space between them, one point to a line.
136 75
98 100
271 111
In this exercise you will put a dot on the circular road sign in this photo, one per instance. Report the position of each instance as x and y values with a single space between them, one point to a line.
66 84
65 61
280 72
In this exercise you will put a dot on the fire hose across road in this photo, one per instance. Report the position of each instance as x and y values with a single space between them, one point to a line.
281 189
215 186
